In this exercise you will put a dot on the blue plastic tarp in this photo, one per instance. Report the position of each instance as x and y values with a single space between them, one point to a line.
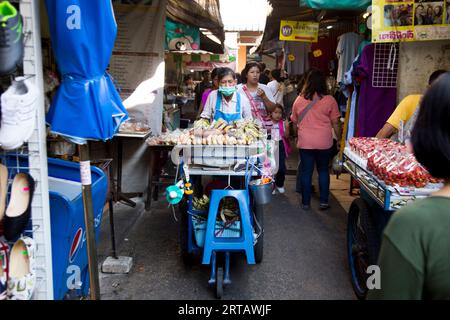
86 105
337 4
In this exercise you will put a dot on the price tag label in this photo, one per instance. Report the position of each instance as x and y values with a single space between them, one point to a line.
85 172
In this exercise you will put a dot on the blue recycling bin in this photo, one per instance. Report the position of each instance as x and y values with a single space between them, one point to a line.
69 247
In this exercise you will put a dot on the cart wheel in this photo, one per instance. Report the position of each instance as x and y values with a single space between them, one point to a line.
362 245
219 283
259 246
188 258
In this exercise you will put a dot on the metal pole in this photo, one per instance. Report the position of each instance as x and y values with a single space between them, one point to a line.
85 172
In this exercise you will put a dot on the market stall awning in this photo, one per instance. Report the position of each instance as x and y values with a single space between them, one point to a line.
199 13
293 10
87 105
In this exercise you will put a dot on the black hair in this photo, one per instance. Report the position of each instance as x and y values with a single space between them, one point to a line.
388 8
187 77
250 65
276 74
223 72
435 75
262 66
431 134
206 71
215 72
238 78
315 82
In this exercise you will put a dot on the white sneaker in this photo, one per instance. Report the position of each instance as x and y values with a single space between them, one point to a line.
281 190
274 191
22 276
18 113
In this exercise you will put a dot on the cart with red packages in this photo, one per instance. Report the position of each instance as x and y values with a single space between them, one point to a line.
389 178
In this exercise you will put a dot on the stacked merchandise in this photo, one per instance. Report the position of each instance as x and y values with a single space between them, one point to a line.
18 120
390 162
220 132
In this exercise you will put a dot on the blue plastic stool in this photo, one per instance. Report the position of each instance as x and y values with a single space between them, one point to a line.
244 242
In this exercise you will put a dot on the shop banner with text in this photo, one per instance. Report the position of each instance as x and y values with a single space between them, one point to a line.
303 31
407 20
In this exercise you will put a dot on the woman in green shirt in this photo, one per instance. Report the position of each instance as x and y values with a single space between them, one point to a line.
415 253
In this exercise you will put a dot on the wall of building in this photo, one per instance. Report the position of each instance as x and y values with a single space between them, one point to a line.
242 58
417 61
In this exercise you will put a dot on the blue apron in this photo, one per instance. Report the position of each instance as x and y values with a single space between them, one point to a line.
227 116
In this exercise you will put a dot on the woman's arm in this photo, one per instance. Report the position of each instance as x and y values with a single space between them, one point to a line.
270 104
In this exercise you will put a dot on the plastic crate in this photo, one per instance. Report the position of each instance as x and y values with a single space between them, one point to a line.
232 230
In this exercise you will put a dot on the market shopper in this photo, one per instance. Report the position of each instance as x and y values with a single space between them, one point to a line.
315 113
202 86
414 258
276 86
226 102
280 134
259 95
188 86
405 110
215 86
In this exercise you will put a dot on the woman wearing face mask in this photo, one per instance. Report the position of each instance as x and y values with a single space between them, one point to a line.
226 103
261 98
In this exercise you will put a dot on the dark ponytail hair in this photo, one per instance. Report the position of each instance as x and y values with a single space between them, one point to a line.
315 83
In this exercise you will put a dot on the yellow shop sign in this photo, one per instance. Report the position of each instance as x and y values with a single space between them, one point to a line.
299 31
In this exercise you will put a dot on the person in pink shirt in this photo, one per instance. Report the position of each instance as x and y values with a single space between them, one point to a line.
315 113
215 86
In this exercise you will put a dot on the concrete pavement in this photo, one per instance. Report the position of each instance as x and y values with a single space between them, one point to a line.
304 255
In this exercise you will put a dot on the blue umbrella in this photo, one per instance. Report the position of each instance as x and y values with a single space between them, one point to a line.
86 105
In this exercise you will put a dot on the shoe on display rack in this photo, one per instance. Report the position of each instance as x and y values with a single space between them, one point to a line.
11 39
22 274
18 105
4 252
3 189
18 211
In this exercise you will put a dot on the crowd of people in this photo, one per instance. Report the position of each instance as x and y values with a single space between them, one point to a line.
414 258
279 106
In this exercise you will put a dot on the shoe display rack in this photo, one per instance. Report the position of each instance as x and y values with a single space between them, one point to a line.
32 156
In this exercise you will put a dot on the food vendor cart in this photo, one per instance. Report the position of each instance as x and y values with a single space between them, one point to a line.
227 215
389 178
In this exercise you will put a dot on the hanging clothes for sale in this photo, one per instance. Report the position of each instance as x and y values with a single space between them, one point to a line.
375 104
86 105
346 52
297 57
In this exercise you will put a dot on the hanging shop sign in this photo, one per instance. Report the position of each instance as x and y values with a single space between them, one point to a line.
303 31
336 4
180 37
408 20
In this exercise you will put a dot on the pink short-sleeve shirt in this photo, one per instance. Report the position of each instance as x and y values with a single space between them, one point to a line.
314 132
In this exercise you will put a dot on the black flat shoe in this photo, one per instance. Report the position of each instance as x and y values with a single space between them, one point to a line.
324 206
18 211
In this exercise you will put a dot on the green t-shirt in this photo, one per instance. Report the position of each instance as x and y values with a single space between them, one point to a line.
414 258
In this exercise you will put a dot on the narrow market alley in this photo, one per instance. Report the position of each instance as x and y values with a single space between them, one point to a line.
304 253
